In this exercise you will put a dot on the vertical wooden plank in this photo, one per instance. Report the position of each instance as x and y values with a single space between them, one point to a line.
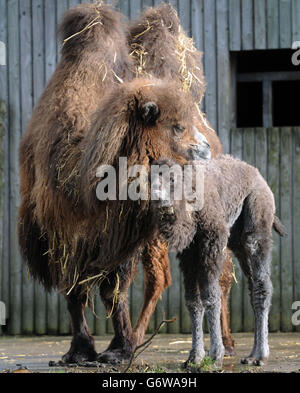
161 311
109 326
61 8
174 295
260 34
296 214
5 255
174 3
2 185
236 295
50 62
273 24
223 74
197 27
135 9
261 151
247 25
267 104
197 23
235 24
90 319
184 12
273 181
210 62
286 262
285 23
124 7
26 105
233 75
147 3
71 3
38 86
248 156
100 321
14 142
185 320
295 20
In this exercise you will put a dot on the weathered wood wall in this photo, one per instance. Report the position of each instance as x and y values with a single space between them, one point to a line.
28 29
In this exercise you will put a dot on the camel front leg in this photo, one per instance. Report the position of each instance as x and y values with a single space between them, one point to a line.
124 342
82 346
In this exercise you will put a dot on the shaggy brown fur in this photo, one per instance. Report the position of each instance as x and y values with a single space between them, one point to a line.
238 212
69 239
86 69
160 48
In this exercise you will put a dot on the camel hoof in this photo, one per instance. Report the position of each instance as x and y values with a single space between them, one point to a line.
72 357
253 361
229 351
113 357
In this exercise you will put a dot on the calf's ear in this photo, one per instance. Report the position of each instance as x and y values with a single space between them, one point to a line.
150 113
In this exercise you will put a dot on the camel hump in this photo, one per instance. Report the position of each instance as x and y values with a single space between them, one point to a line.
88 23
163 16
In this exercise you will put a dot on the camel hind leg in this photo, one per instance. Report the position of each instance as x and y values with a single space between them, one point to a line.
251 242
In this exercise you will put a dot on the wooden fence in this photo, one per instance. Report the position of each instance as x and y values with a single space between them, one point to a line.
28 29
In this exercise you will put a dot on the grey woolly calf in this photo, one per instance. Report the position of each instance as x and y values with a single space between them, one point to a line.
238 213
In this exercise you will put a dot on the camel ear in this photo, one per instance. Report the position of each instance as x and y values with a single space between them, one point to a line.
150 113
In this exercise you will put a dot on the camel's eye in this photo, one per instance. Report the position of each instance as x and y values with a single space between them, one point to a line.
178 129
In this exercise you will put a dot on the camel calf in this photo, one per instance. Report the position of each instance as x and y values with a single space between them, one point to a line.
238 212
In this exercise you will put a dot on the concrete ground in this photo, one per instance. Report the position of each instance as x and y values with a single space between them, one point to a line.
166 354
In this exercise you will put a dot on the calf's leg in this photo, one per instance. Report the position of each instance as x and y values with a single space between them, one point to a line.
196 311
257 257
202 265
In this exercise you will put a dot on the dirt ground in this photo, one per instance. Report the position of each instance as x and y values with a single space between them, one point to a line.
166 354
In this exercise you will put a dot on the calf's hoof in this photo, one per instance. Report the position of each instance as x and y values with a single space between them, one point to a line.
194 359
217 354
254 361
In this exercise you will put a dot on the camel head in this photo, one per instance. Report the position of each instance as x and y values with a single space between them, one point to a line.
143 121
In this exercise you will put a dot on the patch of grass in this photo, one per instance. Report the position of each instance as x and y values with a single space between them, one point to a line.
207 365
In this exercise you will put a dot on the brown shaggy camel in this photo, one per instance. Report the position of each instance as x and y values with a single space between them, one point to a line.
160 48
238 212
69 239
